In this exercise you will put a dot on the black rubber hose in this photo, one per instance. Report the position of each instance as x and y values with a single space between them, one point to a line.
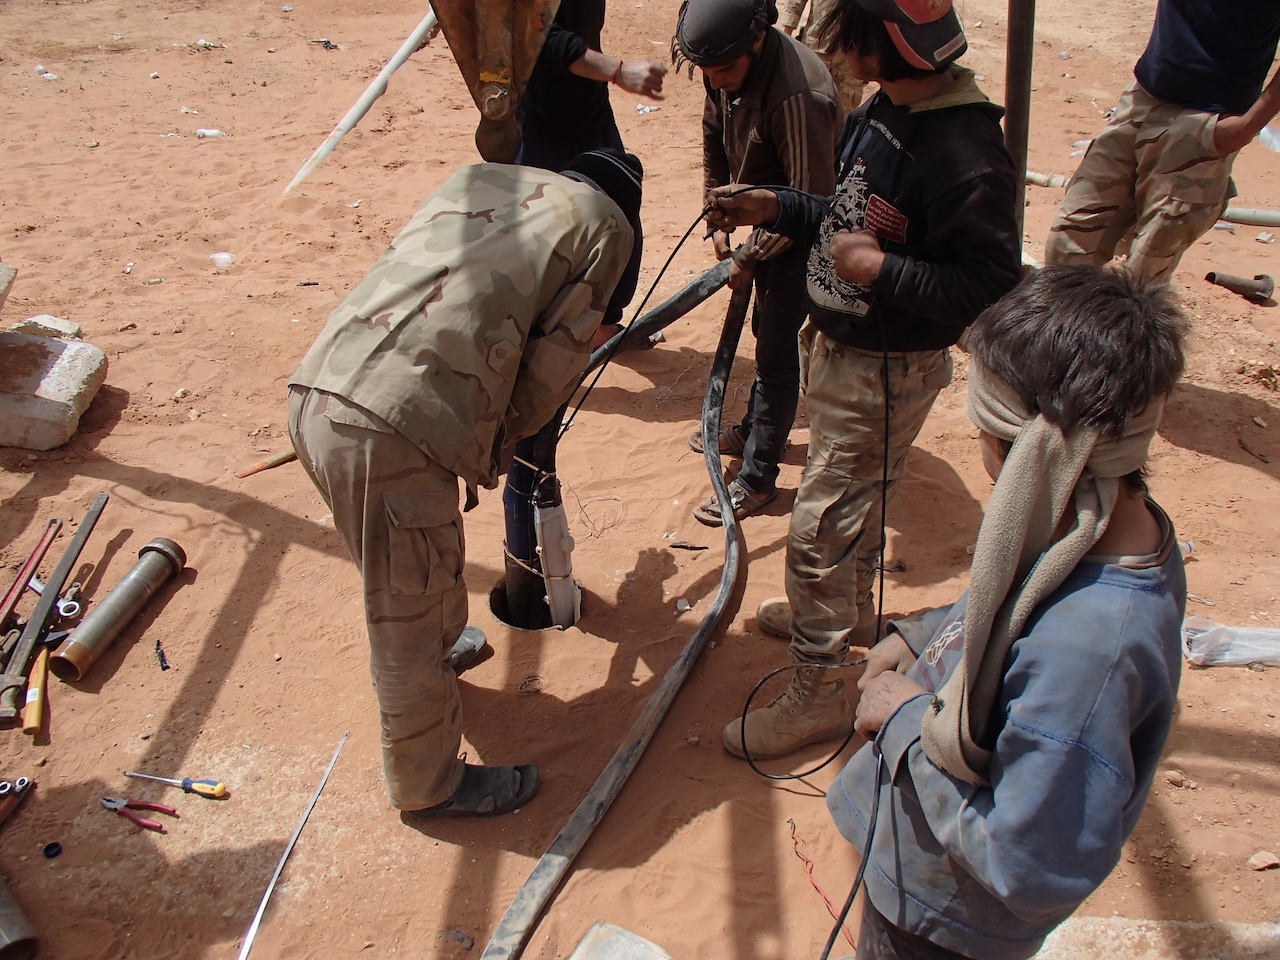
517 923
663 315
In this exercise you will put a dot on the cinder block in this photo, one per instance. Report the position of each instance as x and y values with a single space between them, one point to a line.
46 325
8 274
45 387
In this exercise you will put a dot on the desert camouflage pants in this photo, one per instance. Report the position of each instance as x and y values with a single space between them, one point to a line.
848 86
397 512
835 540
1152 172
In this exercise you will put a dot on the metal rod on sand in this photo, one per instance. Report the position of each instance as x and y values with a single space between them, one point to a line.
371 93
262 907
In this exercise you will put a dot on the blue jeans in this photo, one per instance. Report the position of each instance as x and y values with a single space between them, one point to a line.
780 310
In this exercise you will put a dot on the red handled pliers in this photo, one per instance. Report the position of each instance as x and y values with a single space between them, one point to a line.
126 807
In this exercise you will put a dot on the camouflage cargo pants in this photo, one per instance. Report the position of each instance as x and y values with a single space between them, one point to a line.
397 512
834 544
1152 171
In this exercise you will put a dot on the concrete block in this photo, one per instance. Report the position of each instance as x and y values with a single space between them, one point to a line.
45 387
8 274
1118 938
48 326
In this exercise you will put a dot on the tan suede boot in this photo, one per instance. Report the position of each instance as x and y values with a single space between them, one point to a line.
812 709
774 617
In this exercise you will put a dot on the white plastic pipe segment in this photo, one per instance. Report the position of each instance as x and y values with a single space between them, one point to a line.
372 93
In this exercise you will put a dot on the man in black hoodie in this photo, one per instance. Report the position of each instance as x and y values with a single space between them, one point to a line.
565 112
920 237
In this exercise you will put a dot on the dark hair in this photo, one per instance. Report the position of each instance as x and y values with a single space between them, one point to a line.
1083 346
847 26
714 33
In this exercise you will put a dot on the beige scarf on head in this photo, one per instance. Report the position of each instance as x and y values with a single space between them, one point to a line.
1045 473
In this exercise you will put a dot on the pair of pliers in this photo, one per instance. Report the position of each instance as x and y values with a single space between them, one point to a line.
125 808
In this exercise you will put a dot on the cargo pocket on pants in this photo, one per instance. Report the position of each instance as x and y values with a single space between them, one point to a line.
424 539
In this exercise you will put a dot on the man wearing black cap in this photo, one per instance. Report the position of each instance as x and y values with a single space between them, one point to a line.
919 239
469 332
770 118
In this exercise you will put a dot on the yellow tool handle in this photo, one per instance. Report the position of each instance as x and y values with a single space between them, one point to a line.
205 788
37 684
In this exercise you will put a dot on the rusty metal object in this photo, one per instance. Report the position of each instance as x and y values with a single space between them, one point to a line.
26 572
158 561
495 44
1257 290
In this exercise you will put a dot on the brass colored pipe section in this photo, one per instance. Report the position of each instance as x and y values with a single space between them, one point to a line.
17 938
158 561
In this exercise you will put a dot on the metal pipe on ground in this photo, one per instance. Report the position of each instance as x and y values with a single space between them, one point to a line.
1046 179
17 937
1251 217
158 561
1017 98
517 923
375 89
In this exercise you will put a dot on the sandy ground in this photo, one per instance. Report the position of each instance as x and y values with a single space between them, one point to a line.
263 631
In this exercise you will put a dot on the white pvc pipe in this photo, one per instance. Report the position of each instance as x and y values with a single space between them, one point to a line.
372 93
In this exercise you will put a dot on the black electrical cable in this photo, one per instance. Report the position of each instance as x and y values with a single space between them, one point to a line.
866 856
622 338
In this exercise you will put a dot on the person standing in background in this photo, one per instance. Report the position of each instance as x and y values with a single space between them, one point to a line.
919 239
565 111
1161 168
799 19
769 117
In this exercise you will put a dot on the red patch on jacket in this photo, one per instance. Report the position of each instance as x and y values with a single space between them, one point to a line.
886 220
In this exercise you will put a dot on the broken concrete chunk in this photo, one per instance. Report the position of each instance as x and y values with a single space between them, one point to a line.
1264 860
45 387
48 326
7 275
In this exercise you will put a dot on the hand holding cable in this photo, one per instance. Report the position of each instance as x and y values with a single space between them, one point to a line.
738 205
881 699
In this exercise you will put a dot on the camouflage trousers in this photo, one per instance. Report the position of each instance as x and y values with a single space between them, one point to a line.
397 512
848 86
835 540
1153 172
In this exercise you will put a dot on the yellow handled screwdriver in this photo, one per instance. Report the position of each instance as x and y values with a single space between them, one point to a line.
214 789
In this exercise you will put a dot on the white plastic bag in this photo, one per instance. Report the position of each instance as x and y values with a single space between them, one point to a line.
1208 643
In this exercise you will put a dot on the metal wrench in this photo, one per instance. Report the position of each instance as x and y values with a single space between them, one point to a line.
68 606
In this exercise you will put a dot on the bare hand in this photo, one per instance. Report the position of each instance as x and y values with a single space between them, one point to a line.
720 242
746 208
890 655
857 256
880 699
740 276
643 77
1231 134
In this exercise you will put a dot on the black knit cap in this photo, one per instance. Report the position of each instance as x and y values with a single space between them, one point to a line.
711 33
615 174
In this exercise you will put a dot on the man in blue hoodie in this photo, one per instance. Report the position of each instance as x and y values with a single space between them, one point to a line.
1015 734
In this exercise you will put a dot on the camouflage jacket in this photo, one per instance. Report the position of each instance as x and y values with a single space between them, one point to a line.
474 326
